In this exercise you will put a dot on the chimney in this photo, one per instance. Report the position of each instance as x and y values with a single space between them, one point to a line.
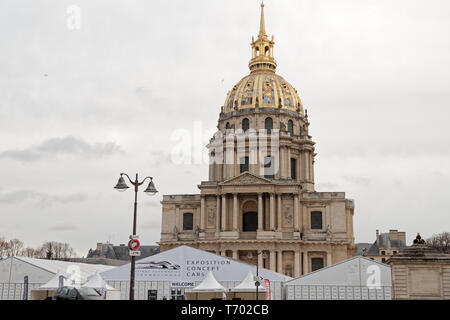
402 237
393 234
378 236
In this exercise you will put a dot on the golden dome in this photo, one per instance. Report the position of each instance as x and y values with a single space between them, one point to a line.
263 88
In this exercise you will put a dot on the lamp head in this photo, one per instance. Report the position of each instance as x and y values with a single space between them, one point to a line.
121 185
151 190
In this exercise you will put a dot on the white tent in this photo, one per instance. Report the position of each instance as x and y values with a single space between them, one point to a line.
357 278
246 290
173 271
47 290
96 282
248 285
39 272
208 289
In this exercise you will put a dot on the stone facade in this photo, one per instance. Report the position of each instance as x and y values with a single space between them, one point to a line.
260 195
420 272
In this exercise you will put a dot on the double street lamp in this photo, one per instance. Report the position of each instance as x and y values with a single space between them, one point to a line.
257 282
151 191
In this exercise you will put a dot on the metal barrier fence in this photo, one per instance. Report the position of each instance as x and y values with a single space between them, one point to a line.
14 291
328 292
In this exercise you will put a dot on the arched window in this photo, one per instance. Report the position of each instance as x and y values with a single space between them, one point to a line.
228 126
188 221
269 124
266 51
249 221
245 124
257 51
269 167
291 127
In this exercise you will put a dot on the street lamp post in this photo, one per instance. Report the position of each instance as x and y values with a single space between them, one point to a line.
151 190
264 256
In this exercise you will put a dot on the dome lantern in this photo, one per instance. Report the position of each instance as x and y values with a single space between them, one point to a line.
262 49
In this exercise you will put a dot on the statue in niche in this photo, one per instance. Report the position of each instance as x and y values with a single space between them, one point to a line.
175 233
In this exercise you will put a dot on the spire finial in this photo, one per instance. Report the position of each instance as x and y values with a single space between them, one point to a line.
262 25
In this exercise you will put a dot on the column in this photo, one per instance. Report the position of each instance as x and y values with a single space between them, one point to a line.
235 255
177 217
305 262
218 214
202 212
260 212
279 213
296 263
235 211
224 212
296 213
329 262
260 259
281 163
272 261
272 211
289 163
280 262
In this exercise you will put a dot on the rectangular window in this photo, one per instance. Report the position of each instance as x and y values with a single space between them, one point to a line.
269 167
243 164
188 221
293 169
316 264
316 220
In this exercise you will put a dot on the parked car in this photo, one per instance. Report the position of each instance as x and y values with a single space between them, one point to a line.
70 293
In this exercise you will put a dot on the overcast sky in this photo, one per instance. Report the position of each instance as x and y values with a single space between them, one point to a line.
80 105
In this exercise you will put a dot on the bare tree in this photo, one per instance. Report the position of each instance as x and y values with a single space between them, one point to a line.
57 250
4 246
15 247
440 241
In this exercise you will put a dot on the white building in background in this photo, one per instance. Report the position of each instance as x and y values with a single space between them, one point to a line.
39 272
357 278
170 273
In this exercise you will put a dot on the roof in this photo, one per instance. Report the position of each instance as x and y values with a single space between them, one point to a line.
96 281
188 264
351 272
121 252
385 242
209 284
420 253
248 285
57 266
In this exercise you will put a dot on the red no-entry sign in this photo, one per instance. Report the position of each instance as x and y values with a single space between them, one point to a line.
134 244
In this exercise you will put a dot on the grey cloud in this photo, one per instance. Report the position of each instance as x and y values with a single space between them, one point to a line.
39 198
63 227
61 146
357 180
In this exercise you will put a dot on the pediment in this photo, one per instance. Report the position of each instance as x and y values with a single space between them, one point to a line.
246 178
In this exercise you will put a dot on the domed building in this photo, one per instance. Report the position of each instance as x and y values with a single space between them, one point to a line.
259 204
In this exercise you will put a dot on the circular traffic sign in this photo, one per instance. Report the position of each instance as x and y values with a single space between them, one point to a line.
134 244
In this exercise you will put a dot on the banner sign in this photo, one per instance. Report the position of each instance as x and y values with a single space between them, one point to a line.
25 288
267 282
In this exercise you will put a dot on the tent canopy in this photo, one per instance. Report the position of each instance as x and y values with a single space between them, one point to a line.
248 285
355 271
209 284
53 283
96 282
187 264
